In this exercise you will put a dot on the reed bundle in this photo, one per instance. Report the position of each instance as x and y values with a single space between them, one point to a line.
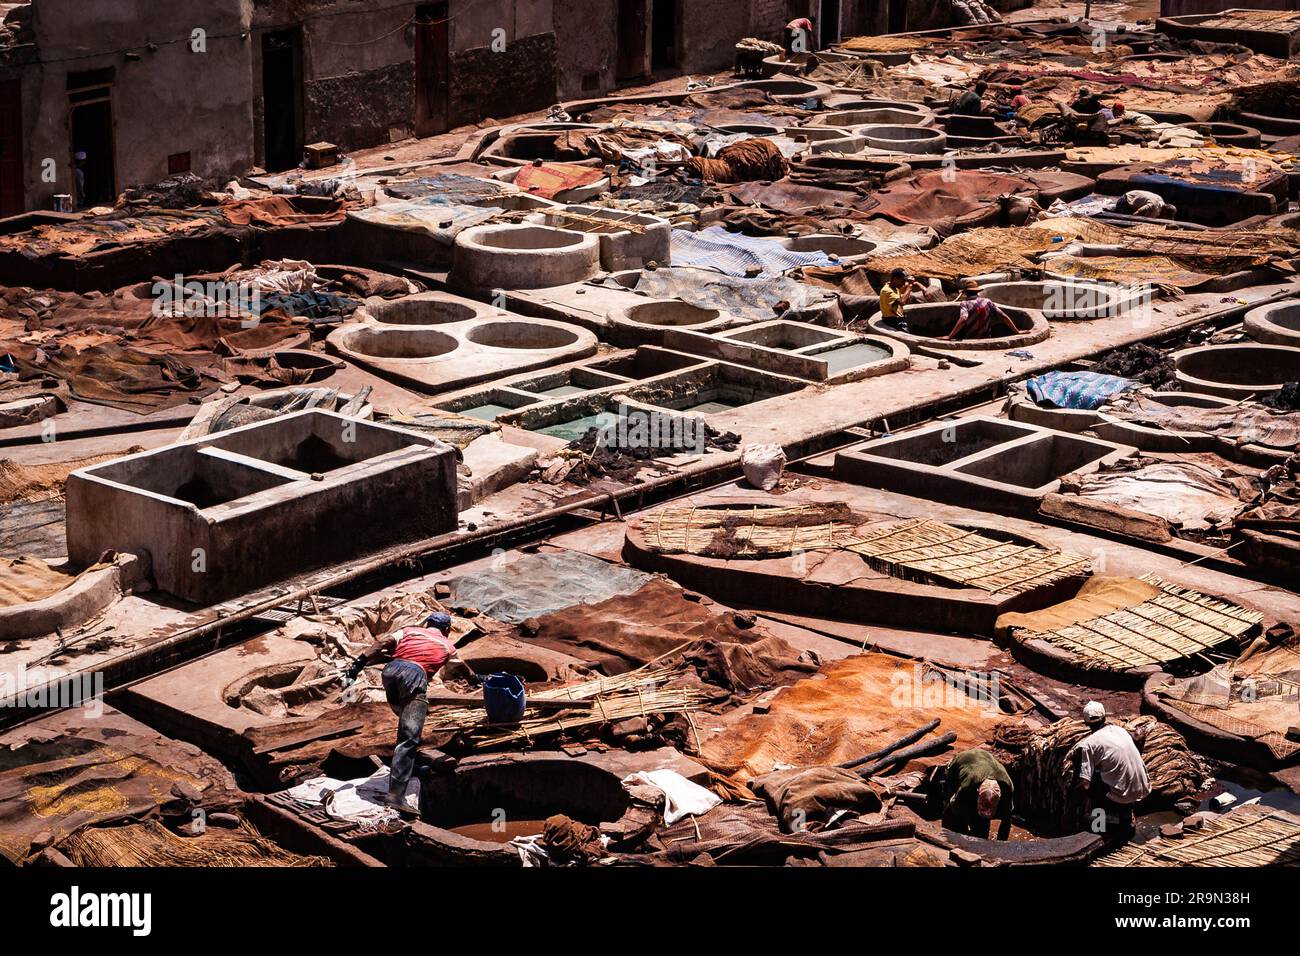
1174 624
884 44
149 843
638 693
933 552
1249 836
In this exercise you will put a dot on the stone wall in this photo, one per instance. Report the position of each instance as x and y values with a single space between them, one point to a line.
361 109
490 85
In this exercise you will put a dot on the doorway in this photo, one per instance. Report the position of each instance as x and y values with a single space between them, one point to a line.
828 24
663 35
432 75
630 59
282 98
12 193
90 131
897 16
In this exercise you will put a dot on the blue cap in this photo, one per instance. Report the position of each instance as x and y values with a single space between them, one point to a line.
440 620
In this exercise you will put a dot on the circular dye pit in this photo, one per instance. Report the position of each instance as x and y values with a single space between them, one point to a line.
314 364
671 314
474 811
399 343
420 311
869 104
905 139
824 139
523 257
842 246
530 238
1237 371
1277 324
877 116
521 335
1230 134
974 126
928 322
786 91
1058 301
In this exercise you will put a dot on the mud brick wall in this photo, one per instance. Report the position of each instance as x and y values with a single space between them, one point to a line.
519 79
769 18
359 109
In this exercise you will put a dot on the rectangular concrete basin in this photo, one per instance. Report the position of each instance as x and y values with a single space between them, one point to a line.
983 463
237 511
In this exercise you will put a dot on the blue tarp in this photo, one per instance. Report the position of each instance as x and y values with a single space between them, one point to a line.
1081 390
733 253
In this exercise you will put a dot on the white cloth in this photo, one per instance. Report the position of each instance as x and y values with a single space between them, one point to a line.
356 800
763 465
1111 753
681 797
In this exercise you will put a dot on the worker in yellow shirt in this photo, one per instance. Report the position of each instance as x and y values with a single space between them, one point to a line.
894 296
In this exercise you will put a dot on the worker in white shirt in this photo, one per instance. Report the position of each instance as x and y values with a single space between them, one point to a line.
1110 770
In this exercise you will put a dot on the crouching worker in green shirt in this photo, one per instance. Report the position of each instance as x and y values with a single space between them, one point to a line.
976 789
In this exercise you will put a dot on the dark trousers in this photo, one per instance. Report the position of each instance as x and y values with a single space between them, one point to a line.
406 686
1099 796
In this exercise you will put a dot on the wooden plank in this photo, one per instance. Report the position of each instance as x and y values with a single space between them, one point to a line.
320 733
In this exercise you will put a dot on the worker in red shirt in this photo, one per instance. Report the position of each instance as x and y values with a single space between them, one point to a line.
417 653
800 29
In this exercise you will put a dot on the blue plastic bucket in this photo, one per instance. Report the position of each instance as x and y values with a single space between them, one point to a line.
503 698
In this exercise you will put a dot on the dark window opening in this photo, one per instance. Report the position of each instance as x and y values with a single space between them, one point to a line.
178 163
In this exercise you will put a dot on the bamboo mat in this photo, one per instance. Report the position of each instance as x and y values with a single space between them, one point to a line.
933 552
918 549
760 531
1250 836
1175 624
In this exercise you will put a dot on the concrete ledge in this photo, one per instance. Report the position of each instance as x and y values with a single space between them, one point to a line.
76 604
1276 324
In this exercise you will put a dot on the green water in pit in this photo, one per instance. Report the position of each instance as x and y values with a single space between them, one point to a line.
575 429
708 408
851 356
562 391
487 413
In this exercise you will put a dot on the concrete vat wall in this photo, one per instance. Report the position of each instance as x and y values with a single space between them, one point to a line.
232 512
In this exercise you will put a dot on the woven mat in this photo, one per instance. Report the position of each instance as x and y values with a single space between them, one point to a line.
1173 624
933 552
1249 836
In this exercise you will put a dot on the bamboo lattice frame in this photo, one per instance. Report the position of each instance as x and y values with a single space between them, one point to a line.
743 532
933 552
918 549
1174 624
1250 836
